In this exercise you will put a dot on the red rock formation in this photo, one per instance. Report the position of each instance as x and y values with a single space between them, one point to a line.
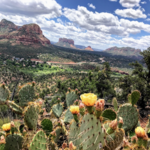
70 41
89 48
30 34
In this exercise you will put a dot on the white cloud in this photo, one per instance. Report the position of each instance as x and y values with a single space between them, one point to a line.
148 19
31 8
135 25
129 3
141 43
91 5
144 2
130 13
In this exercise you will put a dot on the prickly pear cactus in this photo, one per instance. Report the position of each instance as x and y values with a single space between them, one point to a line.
31 117
47 126
74 132
135 96
92 134
14 107
26 94
68 116
130 116
39 141
115 104
4 93
70 98
114 140
58 131
14 142
109 114
57 110
129 98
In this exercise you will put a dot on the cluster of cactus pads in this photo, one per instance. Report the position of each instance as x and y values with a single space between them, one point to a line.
84 125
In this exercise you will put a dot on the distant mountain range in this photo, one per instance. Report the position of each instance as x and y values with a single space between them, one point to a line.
31 35
124 51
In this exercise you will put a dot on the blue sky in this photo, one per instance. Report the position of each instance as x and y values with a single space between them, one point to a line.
96 23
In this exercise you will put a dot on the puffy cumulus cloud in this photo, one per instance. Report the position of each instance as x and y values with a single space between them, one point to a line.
129 3
83 16
135 25
91 5
141 43
31 8
130 13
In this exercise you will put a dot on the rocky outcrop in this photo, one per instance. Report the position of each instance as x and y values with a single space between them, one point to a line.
65 40
125 51
89 48
7 26
30 34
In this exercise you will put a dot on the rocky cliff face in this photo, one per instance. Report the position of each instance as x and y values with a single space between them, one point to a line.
89 48
125 51
64 40
30 34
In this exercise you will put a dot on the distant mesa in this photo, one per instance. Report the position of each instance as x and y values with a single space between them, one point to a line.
89 48
65 40
69 43
29 34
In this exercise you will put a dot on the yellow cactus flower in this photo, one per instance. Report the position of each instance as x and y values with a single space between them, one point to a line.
88 99
6 127
140 132
74 109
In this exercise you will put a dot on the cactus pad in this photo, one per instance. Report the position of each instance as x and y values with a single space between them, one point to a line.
31 117
39 141
114 140
129 115
109 114
68 116
14 107
73 135
135 96
47 126
115 104
92 134
57 110
129 98
70 98
26 94
14 142
4 93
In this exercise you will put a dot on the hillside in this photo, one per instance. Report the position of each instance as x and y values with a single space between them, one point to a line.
125 51
29 35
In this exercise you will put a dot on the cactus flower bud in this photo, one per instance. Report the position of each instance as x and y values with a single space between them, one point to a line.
81 105
100 104
12 124
33 83
71 146
53 133
120 122
113 124
64 145
2 140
